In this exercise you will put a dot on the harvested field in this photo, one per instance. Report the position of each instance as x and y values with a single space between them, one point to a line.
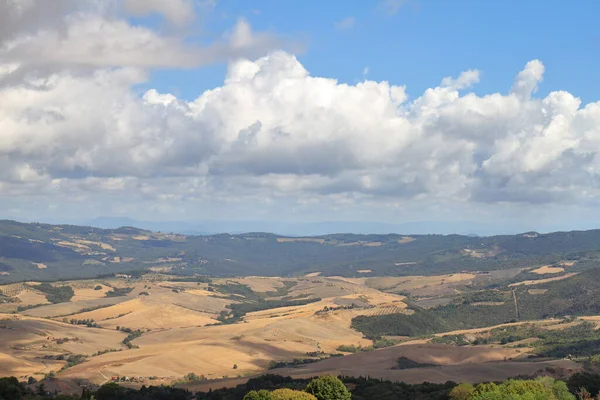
426 286
103 246
142 313
89 293
538 281
258 284
548 269
55 310
179 335
474 364
27 339
31 297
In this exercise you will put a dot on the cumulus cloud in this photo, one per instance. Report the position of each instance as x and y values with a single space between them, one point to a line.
93 34
273 128
273 131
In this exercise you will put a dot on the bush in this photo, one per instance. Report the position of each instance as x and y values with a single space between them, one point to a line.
117 292
289 394
328 387
464 391
258 395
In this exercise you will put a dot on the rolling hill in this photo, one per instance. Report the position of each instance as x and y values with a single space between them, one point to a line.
53 252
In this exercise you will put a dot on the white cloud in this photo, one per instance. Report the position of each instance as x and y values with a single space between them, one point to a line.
274 130
96 36
271 133
179 12
346 23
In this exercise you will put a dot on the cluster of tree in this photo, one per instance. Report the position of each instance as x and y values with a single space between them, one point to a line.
195 278
327 309
579 295
88 309
545 388
326 387
378 343
73 360
407 363
56 294
360 389
582 340
238 310
300 361
131 335
581 386
90 323
100 352
116 292
453 340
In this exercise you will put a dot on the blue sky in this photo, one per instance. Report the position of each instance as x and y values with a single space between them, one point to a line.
393 111
421 43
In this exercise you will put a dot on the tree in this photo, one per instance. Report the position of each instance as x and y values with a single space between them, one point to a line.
11 388
31 380
464 391
258 395
41 389
110 391
544 388
586 380
328 387
289 394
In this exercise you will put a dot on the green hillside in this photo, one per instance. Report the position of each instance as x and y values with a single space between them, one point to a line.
575 296
67 251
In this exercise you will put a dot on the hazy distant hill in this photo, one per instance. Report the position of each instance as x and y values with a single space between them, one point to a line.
303 229
44 251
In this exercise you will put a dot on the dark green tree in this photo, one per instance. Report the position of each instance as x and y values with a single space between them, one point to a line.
11 388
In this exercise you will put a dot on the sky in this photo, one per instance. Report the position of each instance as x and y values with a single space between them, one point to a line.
388 111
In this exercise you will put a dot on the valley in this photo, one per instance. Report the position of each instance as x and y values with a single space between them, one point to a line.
172 323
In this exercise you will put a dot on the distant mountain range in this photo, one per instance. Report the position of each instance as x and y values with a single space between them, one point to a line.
44 251
211 227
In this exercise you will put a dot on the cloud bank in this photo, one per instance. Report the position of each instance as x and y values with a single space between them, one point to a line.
72 124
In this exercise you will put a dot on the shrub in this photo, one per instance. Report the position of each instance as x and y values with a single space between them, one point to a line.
258 395
464 391
289 394
328 387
